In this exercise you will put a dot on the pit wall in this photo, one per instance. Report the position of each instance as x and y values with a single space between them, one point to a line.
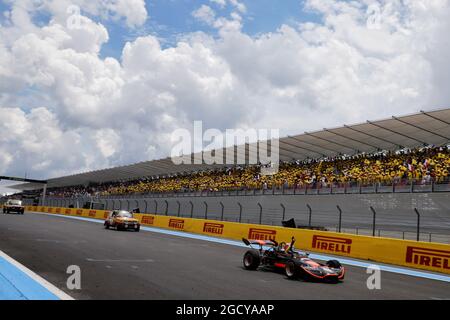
420 255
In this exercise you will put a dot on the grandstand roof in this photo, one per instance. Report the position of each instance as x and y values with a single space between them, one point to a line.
410 131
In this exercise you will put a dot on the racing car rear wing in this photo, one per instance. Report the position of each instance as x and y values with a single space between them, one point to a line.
249 242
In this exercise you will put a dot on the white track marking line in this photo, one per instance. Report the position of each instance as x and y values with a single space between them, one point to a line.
118 260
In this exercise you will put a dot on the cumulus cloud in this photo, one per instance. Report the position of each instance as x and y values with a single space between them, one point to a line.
205 14
35 142
233 23
239 5
236 4
220 3
133 12
364 60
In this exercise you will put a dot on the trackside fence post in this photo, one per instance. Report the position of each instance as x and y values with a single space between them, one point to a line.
418 223
167 207
156 206
340 218
44 194
310 215
223 208
206 209
240 211
284 211
179 208
146 206
373 221
192 208
260 213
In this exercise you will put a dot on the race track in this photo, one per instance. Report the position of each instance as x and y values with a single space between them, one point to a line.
148 265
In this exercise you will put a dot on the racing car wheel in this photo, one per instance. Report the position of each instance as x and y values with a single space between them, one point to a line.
252 260
334 264
291 270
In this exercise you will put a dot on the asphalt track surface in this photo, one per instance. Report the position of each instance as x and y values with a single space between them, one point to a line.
148 265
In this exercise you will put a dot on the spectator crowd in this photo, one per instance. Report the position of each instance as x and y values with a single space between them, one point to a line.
423 166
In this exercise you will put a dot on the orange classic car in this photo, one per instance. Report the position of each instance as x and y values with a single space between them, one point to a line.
122 220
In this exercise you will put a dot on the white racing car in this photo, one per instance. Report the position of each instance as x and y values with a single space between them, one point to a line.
13 206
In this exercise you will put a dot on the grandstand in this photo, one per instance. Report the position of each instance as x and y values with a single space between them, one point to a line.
407 156
412 147
418 168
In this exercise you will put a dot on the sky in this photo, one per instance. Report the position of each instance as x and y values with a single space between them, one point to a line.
86 84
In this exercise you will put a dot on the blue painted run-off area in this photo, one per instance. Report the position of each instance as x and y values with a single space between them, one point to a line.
17 285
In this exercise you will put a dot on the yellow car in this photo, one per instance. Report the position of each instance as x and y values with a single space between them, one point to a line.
122 220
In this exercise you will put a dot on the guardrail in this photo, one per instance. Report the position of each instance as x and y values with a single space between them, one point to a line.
420 255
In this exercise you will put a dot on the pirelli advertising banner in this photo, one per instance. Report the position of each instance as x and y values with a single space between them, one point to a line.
421 255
